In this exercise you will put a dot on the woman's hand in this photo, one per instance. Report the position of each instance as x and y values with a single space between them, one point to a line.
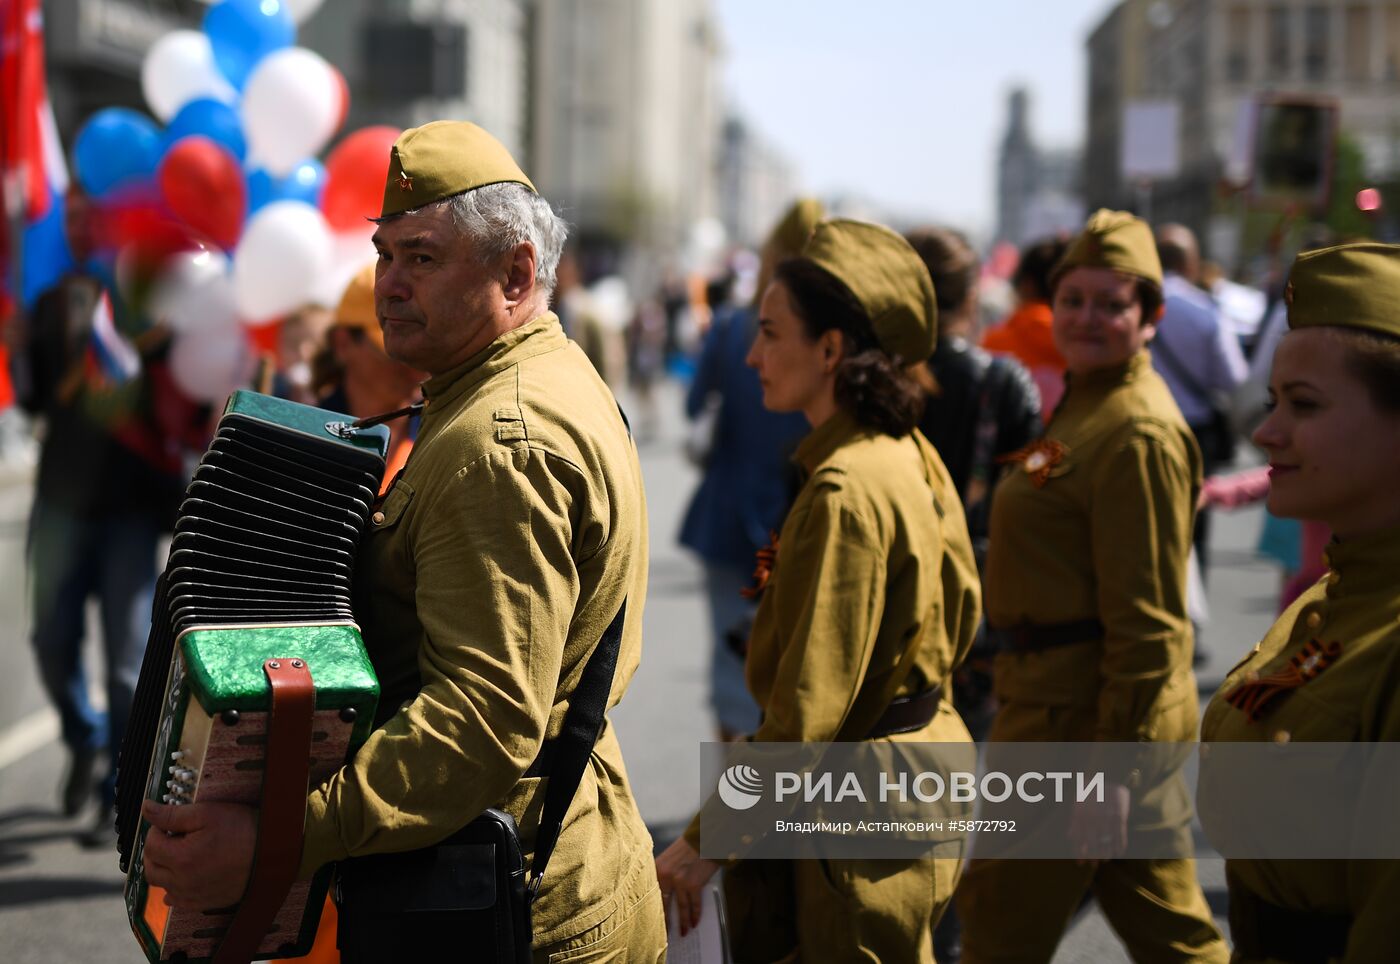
1099 830
683 874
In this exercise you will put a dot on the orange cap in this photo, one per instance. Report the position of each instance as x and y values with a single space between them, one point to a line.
356 308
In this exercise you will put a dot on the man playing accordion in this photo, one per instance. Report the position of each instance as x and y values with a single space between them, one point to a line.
494 564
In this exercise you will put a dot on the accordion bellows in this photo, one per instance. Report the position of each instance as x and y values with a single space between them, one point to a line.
259 575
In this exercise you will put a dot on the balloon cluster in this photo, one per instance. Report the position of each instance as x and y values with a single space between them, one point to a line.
225 221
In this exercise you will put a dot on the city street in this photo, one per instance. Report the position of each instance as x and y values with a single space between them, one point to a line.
61 903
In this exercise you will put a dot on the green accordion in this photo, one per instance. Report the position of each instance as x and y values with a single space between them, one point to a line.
255 685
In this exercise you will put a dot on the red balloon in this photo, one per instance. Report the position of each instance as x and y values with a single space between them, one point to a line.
203 185
355 174
135 223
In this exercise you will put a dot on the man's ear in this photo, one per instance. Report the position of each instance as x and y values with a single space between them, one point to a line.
519 283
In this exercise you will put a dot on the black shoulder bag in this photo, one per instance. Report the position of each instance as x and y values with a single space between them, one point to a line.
469 898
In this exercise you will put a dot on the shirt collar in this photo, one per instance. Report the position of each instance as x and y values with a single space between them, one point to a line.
825 439
1366 563
1102 380
532 338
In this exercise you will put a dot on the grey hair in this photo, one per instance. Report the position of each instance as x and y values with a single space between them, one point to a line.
498 217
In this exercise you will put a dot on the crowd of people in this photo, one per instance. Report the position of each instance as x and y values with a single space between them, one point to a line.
912 530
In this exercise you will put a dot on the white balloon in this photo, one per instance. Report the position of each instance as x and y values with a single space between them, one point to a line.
210 363
284 254
292 104
301 9
350 251
180 68
195 292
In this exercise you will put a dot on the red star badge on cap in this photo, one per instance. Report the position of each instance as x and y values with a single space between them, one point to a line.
405 182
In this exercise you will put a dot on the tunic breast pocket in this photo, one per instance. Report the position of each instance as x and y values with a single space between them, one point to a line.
391 508
384 540
1061 470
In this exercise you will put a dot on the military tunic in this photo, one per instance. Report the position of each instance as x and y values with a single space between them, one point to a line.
490 571
1102 532
874 595
1355 699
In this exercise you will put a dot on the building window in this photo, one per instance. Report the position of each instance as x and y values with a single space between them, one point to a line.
1237 45
1280 42
1316 38
1358 43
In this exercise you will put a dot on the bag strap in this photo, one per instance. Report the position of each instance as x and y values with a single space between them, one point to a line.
568 752
583 723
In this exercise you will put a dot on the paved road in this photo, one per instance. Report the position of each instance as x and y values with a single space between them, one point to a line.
59 903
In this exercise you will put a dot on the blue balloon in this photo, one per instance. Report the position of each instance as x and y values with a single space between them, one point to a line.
116 146
242 32
305 183
208 118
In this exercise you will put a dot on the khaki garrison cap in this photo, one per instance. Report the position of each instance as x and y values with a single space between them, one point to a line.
444 158
887 277
1350 286
1115 240
787 239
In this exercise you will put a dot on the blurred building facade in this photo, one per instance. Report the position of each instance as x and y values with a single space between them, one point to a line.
1214 58
626 121
611 105
93 51
1037 189
407 62
755 183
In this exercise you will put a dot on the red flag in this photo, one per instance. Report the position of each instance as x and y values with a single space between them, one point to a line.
27 135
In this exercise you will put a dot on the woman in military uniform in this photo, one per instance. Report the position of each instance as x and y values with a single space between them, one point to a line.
1329 669
870 603
1086 601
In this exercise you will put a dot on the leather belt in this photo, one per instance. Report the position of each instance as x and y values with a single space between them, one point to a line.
1262 930
1033 639
905 714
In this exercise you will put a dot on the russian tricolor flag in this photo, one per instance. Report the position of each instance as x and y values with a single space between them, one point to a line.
110 356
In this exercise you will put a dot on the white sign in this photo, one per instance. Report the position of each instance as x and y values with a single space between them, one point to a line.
1151 145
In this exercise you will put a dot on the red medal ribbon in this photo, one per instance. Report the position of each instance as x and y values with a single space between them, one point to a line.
1038 458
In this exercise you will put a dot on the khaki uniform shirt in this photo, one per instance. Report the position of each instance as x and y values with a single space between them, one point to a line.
1106 537
874 593
504 550
1355 699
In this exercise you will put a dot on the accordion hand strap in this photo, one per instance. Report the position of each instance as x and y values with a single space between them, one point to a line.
282 812
568 757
